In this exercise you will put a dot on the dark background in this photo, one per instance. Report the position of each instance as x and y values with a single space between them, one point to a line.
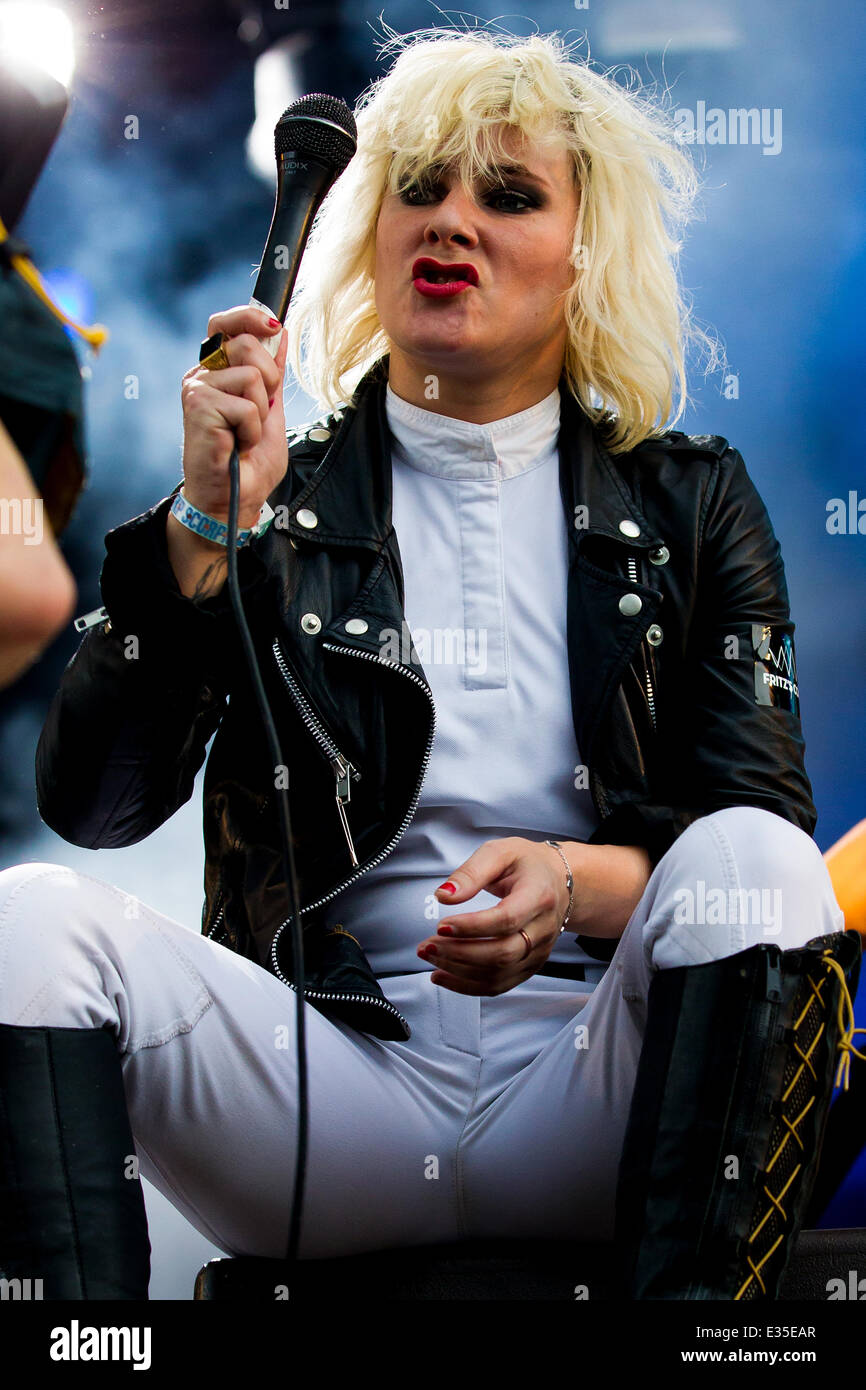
150 236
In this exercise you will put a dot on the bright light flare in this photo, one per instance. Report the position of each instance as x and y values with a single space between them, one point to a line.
276 87
37 36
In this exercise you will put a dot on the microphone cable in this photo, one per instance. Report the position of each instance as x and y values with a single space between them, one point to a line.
314 140
287 850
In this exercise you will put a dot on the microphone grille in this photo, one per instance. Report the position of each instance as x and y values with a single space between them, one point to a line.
319 125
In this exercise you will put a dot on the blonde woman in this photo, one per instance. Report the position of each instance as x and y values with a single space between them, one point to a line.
529 654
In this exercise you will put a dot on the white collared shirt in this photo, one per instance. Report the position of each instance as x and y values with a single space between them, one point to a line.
479 521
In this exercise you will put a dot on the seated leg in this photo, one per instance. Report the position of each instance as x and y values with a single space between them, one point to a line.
749 964
205 1042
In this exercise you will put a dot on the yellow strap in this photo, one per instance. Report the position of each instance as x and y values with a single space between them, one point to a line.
95 335
340 930
756 1270
846 1046
775 1202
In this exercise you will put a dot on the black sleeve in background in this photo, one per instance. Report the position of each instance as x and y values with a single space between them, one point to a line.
137 704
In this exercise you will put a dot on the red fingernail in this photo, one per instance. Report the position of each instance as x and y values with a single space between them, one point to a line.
448 887
446 930
273 323
431 951
271 401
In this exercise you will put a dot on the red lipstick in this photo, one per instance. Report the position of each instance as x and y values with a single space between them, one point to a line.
442 279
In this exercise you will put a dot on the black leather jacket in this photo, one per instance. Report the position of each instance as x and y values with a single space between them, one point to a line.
680 658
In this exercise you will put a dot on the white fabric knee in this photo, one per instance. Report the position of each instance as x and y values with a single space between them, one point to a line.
737 878
76 952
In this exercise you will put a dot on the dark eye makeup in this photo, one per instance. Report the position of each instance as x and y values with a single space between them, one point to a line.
494 192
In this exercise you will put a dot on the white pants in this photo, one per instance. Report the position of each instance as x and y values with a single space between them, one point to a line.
501 1116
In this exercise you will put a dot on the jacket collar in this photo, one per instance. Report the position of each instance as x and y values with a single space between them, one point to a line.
350 494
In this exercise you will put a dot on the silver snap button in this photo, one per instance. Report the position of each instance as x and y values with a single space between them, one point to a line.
319 435
660 555
356 625
307 518
311 622
629 528
630 604
654 635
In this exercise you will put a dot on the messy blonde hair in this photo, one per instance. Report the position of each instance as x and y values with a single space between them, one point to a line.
447 100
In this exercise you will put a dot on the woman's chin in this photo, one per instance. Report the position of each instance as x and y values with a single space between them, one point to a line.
441 347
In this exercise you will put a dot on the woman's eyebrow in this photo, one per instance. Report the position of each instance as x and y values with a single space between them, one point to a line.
515 167
505 168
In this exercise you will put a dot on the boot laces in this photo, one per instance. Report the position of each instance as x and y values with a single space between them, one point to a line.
845 1020
847 1030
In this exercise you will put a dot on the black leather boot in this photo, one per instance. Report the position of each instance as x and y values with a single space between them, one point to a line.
727 1118
71 1206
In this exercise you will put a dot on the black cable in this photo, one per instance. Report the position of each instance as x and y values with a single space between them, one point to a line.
288 855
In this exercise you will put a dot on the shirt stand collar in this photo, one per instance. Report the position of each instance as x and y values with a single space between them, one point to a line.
461 449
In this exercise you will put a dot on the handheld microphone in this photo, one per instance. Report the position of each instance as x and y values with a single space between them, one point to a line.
314 140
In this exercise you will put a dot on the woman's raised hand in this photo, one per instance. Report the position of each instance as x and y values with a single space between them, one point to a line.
247 398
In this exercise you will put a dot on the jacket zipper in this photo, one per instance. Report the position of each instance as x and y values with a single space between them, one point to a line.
632 570
322 994
318 993
343 769
216 921
367 998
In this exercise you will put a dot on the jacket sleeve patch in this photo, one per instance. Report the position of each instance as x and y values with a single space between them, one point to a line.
775 668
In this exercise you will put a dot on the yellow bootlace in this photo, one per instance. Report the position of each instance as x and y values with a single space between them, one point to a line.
96 335
846 1047
845 1044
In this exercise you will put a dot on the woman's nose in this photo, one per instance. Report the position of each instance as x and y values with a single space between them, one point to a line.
453 219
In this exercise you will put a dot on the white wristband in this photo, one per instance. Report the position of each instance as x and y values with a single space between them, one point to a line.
210 529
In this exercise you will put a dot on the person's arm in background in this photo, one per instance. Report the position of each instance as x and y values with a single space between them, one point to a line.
37 591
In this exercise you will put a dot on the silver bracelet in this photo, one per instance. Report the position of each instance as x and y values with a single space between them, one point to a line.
570 880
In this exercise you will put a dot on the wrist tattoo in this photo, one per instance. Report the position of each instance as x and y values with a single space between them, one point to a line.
211 580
